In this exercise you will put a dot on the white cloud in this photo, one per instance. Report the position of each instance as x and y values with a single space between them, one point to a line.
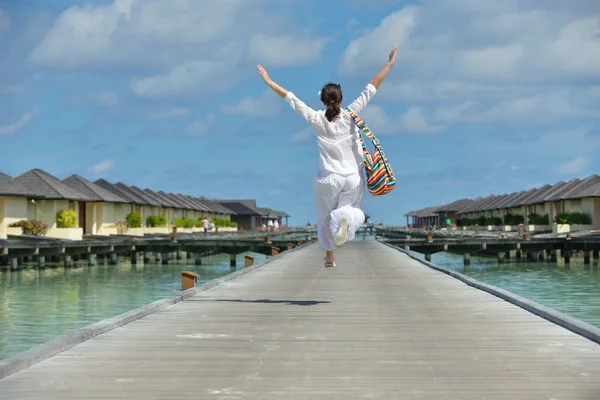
412 120
574 166
285 50
20 124
199 126
268 104
105 99
4 22
507 60
303 136
192 46
103 166
187 78
170 113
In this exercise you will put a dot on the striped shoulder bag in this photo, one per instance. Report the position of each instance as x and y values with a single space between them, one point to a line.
380 177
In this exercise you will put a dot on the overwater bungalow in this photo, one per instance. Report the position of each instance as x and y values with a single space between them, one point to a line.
246 216
97 217
54 197
449 211
578 198
14 198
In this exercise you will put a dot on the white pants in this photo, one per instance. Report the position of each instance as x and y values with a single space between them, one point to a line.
338 197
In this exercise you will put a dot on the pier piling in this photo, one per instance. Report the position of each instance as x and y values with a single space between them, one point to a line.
91 260
467 259
501 257
586 257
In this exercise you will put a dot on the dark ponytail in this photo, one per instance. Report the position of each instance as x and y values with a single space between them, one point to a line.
331 96
333 110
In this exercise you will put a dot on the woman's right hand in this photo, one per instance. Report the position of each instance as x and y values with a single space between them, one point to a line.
392 58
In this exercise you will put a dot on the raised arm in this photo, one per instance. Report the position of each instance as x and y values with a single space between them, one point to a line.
297 105
378 79
361 102
270 83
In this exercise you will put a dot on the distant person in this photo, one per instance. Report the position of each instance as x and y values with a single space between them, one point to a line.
270 225
339 185
206 225
276 226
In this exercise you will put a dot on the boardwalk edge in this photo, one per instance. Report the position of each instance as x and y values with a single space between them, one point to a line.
566 321
35 355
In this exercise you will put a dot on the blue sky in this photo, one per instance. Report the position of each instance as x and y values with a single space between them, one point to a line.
486 96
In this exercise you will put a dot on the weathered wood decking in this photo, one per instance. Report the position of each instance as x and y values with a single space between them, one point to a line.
378 326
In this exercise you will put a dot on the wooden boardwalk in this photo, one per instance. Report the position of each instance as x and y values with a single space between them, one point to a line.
378 326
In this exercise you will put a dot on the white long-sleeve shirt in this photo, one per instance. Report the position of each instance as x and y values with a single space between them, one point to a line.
339 147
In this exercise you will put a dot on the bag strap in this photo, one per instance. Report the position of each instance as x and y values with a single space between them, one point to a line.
364 129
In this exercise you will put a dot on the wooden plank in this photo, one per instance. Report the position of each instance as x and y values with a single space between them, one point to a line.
379 325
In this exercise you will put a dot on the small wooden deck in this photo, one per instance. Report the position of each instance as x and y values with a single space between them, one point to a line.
378 326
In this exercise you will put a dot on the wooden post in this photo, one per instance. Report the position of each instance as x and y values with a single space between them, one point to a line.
133 257
476 228
467 259
428 257
113 258
146 257
232 260
595 254
248 261
521 229
188 280
41 262
586 257
68 261
198 259
430 238
567 256
14 263
290 246
267 239
174 233
91 260
179 254
274 251
501 256
165 258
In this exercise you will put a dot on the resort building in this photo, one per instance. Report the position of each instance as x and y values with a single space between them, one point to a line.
576 202
102 207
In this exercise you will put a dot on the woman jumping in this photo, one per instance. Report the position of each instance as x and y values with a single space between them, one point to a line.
339 185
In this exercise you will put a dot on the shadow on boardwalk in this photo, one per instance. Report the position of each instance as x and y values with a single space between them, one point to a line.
269 301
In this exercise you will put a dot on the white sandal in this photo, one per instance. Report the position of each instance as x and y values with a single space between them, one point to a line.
342 234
